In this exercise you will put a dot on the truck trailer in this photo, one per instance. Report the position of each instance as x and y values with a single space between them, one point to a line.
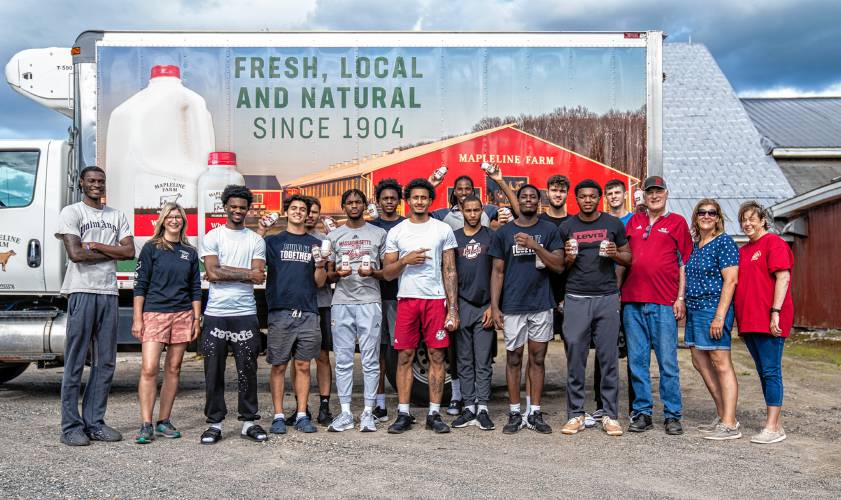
305 112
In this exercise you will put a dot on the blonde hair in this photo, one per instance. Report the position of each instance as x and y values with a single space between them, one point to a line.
158 239
719 221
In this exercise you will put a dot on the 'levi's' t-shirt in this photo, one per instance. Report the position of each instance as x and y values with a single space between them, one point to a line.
591 274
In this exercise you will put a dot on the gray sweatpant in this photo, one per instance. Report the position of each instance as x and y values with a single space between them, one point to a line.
473 350
595 318
354 323
91 324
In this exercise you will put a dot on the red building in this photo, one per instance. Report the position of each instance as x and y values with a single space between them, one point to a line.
523 158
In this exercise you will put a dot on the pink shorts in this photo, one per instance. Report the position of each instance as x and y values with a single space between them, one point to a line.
168 328
421 316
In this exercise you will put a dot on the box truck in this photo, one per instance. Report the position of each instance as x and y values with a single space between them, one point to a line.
303 112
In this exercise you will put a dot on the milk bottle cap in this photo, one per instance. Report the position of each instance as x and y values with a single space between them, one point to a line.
222 158
166 70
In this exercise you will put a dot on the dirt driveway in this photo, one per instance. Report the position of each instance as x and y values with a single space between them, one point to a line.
464 464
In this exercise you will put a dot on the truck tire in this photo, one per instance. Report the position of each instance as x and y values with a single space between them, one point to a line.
420 372
8 371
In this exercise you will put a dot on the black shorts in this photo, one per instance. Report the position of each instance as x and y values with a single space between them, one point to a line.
326 324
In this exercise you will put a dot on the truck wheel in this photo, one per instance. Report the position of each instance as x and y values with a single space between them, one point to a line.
420 372
8 371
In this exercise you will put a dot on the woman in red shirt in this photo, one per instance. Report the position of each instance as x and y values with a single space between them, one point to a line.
764 309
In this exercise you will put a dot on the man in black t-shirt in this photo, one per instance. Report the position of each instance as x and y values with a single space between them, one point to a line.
476 334
524 252
296 271
389 194
595 242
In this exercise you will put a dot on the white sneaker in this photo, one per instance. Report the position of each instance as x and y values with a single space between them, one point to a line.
367 422
767 436
589 421
341 423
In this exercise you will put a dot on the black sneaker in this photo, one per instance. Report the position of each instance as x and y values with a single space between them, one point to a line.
673 427
402 424
381 414
515 423
484 421
535 422
75 437
290 420
104 433
466 418
434 423
640 423
456 407
324 415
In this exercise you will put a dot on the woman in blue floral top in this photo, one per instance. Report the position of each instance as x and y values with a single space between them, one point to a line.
711 276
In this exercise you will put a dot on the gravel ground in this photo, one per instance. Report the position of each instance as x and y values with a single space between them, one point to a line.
466 463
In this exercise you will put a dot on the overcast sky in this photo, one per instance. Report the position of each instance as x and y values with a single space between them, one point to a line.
765 47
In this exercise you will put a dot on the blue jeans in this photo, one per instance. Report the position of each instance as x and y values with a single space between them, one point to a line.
767 353
647 326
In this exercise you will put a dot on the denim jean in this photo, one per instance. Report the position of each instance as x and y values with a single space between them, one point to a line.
767 353
91 324
654 326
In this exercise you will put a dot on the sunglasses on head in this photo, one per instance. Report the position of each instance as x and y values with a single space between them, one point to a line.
708 213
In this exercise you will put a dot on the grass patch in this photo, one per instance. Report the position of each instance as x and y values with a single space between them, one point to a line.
817 346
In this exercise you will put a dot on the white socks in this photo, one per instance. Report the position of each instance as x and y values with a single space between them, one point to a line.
403 408
534 408
482 408
514 408
456 389
246 426
381 401
434 408
528 405
300 415
345 407
217 426
279 416
368 409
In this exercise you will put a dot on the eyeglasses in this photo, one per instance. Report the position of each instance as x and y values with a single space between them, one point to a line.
707 213
172 217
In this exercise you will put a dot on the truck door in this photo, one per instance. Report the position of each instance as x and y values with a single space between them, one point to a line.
22 184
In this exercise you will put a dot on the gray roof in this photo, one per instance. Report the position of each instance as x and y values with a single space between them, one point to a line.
710 146
801 122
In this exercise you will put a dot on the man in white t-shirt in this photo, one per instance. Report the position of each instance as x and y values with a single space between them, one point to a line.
420 250
95 236
235 260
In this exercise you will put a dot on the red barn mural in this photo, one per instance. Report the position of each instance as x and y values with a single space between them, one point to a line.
521 156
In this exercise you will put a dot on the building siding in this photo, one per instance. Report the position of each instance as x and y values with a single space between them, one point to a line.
816 280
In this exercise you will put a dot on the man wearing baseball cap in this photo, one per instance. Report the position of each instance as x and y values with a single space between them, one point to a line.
652 295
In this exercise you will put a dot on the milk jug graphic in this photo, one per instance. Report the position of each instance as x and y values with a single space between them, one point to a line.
221 172
157 145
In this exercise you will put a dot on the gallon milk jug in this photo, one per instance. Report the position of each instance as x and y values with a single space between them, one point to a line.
221 171
157 145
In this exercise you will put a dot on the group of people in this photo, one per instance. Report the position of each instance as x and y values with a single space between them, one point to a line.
451 278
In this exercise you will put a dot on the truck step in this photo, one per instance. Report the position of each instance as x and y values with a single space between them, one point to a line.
38 314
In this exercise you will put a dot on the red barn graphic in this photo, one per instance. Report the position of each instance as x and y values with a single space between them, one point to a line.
521 156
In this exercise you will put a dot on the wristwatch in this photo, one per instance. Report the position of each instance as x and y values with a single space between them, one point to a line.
775 310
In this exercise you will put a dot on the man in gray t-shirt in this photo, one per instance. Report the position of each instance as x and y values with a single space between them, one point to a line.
354 266
95 237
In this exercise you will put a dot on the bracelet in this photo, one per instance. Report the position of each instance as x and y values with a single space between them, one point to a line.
775 310
718 318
